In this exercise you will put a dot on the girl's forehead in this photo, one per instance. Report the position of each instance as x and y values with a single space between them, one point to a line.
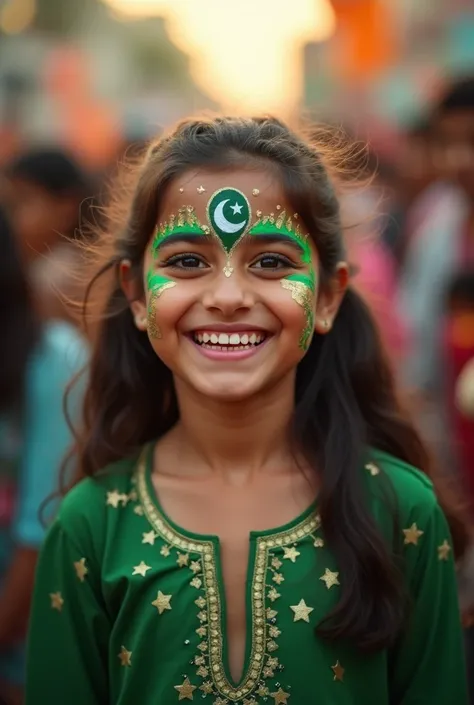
195 188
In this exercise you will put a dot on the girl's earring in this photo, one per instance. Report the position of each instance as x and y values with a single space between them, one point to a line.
141 322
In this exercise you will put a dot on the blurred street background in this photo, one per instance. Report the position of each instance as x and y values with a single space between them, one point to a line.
85 82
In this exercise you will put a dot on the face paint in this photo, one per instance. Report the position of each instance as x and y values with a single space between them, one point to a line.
156 284
186 223
301 285
229 214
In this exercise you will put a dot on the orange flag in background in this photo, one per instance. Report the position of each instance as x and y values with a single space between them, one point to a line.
366 38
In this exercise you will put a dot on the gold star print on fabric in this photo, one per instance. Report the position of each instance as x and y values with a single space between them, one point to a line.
443 551
276 563
138 510
318 543
373 469
141 569
195 566
114 498
291 553
412 535
338 672
183 559
165 551
207 688
281 698
185 690
330 578
271 613
273 594
162 602
125 657
302 611
150 537
57 601
81 569
221 701
250 701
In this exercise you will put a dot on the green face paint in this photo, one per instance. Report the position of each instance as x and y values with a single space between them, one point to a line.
156 284
229 214
301 285
185 223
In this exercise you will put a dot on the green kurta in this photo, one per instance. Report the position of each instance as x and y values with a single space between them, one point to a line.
130 608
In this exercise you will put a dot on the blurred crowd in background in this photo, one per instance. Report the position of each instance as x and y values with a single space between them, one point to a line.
83 84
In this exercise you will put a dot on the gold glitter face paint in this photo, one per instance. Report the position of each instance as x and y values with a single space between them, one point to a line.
301 285
157 284
186 225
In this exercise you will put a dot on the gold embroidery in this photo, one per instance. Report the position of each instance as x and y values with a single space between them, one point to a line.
115 497
165 551
264 631
185 690
182 559
138 510
412 535
125 657
207 688
443 551
81 569
318 543
373 469
141 569
281 698
302 611
338 671
162 602
330 578
150 537
291 553
57 601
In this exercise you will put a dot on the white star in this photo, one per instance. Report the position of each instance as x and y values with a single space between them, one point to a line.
236 208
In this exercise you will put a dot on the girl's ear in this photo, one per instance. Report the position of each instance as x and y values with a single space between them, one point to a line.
330 299
134 294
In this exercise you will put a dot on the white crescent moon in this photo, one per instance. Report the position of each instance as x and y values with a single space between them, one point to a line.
222 222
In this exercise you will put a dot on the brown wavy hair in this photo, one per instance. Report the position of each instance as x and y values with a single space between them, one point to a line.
345 399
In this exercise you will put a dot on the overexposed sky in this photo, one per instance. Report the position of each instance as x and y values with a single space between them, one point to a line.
245 54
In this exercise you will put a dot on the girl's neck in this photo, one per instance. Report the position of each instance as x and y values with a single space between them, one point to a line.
236 439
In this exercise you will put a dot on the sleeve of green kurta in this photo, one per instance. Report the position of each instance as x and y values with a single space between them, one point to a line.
427 665
67 645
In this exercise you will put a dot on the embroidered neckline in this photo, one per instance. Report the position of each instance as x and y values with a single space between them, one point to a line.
209 659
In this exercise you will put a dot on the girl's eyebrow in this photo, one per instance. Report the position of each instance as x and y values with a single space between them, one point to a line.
161 243
274 238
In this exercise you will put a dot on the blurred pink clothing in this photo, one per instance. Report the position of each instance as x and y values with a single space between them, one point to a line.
376 281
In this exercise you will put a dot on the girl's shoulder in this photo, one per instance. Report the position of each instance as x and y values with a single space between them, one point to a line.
410 487
87 503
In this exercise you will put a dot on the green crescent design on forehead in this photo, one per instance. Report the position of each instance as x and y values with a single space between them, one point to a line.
229 214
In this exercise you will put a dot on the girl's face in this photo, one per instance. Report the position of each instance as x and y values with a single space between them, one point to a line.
232 284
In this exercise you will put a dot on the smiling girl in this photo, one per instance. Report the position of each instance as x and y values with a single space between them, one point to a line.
253 528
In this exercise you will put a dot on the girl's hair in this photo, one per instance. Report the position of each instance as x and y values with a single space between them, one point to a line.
344 398
18 321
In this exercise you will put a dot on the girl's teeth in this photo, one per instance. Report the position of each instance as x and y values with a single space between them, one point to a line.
234 341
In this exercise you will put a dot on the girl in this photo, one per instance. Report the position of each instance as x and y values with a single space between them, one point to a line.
37 362
252 528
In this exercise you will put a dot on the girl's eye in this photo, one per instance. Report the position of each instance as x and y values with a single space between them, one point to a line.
185 261
273 262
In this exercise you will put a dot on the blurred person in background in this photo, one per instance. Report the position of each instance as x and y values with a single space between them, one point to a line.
443 244
45 190
38 360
